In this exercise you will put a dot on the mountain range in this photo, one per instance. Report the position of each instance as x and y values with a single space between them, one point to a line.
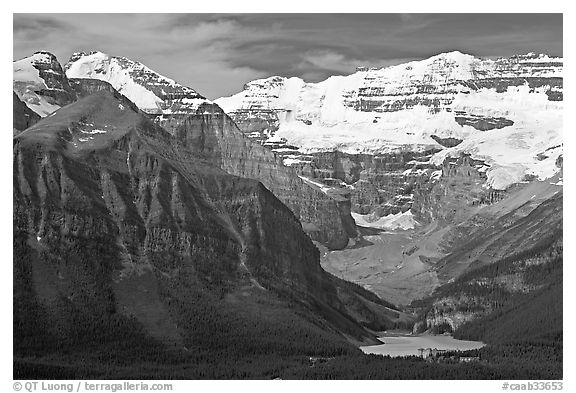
151 222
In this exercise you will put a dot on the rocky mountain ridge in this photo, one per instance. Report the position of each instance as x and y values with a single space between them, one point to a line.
151 92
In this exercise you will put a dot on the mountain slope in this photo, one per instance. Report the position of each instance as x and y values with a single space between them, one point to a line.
513 304
499 265
205 128
513 300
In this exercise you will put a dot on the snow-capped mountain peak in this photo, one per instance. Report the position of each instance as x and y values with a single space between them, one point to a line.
150 91
40 83
504 111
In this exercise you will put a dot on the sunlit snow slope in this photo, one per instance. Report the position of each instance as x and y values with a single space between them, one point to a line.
150 91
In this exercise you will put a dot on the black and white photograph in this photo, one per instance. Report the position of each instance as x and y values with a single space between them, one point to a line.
286 196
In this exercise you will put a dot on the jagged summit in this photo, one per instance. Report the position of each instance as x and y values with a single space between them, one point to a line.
77 55
152 92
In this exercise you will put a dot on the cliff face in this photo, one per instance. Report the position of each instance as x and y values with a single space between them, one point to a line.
84 87
381 183
115 220
458 184
205 129
436 82
214 136
22 116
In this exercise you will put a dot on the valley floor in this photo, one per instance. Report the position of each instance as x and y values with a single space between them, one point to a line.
399 265
388 263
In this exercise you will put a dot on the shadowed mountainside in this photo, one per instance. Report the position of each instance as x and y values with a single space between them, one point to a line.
116 225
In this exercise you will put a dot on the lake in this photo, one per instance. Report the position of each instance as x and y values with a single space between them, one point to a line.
397 344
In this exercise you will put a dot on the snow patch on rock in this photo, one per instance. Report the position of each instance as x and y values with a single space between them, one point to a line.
402 221
321 186
94 131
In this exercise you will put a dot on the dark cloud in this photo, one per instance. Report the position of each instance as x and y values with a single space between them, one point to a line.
217 53
24 24
32 28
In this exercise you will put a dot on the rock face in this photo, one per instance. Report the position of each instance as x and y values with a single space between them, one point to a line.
205 128
84 87
40 82
447 142
116 221
482 123
448 102
381 183
459 182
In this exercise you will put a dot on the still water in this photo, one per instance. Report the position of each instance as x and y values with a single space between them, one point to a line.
395 344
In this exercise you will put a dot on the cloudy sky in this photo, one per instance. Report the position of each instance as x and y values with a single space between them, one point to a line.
217 53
